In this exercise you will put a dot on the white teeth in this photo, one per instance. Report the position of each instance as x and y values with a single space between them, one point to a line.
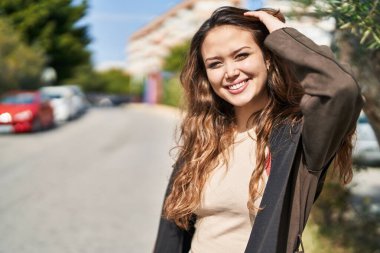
236 86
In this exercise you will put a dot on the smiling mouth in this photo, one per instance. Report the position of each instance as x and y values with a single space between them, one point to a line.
238 87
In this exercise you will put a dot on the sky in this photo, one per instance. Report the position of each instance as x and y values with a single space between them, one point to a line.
112 22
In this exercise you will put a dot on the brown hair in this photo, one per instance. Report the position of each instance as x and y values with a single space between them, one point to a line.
208 128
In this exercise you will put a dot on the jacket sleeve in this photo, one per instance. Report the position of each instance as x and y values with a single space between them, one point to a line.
331 102
171 238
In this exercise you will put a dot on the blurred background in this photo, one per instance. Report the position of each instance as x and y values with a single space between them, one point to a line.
89 104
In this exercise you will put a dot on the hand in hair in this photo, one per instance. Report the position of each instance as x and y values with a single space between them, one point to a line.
271 22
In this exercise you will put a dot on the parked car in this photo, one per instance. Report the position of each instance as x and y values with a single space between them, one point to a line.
61 99
107 100
25 111
68 101
79 101
366 151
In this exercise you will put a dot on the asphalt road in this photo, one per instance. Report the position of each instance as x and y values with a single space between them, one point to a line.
96 184
93 185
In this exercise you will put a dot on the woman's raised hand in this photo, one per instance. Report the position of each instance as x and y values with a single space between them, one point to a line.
271 22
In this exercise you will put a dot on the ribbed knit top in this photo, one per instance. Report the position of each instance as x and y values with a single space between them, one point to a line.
223 220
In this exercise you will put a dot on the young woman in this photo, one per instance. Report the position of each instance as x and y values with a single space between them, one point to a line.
267 112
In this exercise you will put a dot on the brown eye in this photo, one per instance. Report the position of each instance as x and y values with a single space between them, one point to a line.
213 65
242 56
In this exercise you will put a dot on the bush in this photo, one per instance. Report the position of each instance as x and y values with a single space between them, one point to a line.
352 230
173 94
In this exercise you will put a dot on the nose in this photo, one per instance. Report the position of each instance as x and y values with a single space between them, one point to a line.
231 71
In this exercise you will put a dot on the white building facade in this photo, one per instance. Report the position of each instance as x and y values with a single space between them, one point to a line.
148 46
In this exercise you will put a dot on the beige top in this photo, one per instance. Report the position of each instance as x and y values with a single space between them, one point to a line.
223 221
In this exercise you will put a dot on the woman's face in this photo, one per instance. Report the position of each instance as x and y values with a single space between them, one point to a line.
235 67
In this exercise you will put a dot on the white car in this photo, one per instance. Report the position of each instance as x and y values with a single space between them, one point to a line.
366 151
68 101
61 99
79 101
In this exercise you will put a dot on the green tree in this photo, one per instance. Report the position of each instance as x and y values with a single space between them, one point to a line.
87 78
357 39
116 81
53 26
173 94
113 81
173 63
20 65
176 58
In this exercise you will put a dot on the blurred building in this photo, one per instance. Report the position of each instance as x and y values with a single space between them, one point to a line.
148 46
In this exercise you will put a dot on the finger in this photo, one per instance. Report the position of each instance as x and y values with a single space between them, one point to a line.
250 13
257 14
261 15
271 22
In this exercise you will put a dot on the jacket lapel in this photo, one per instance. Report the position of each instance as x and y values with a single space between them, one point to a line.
266 234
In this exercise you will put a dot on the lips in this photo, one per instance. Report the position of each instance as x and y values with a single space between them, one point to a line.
237 87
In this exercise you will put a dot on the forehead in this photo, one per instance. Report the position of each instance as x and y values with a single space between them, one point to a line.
225 39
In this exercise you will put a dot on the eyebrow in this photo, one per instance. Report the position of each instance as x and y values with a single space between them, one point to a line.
234 52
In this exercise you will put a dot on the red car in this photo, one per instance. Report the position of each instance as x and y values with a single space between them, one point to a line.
24 111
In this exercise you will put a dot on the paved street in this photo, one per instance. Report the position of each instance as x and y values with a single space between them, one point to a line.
93 185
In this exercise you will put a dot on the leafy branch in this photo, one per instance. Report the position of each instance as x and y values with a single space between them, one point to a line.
360 17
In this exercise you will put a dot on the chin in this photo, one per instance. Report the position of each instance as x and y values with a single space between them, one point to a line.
240 103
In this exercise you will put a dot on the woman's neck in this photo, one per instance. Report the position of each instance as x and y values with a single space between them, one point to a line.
242 117
243 113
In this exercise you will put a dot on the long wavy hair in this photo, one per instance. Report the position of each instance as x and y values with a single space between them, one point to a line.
208 128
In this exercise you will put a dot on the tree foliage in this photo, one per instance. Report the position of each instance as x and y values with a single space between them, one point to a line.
116 81
176 58
173 63
87 78
360 18
53 26
20 65
173 94
113 81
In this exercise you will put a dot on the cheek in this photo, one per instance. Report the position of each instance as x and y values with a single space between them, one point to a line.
215 77
254 65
